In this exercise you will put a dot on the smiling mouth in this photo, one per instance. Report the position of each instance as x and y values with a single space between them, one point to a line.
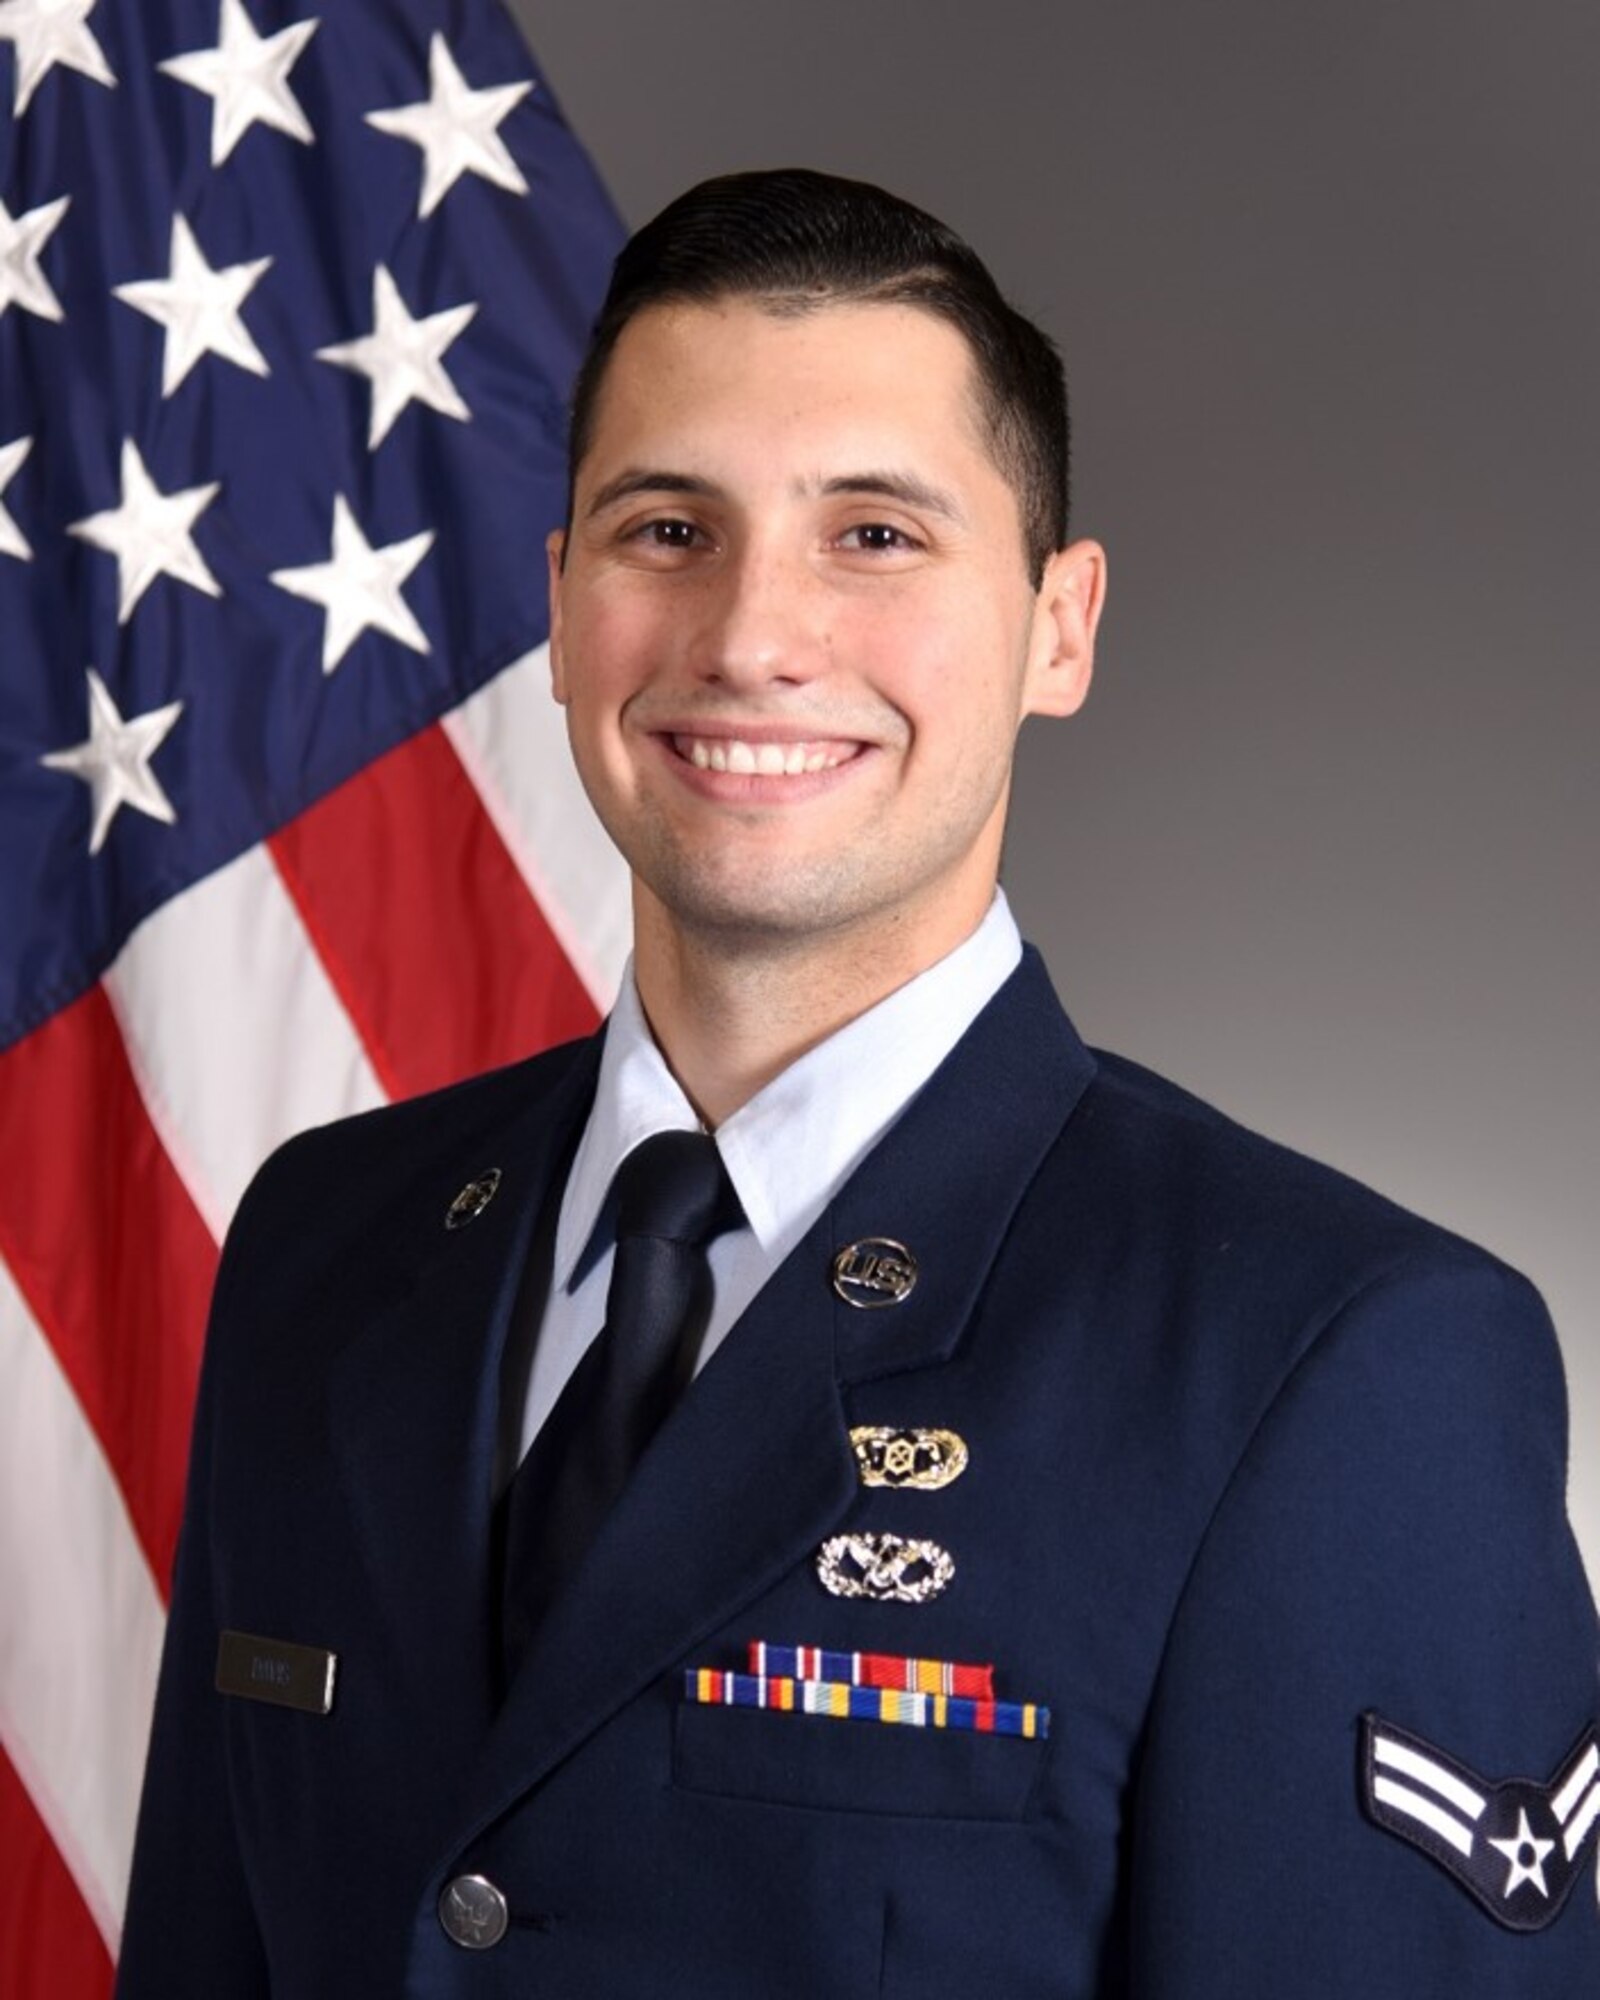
762 760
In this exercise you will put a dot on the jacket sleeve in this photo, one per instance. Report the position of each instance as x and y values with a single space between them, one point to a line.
190 1928
1393 1543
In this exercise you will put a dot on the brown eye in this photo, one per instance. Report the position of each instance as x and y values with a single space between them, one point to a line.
877 537
672 534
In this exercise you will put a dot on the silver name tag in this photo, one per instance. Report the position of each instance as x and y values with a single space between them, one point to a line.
276 1670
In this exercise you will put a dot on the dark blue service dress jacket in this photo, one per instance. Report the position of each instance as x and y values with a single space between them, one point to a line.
1264 1500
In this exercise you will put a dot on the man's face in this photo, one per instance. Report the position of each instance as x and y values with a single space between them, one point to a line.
795 634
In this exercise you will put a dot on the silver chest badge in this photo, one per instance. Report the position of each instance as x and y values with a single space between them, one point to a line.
891 1569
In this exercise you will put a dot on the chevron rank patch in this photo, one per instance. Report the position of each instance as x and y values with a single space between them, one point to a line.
1516 1846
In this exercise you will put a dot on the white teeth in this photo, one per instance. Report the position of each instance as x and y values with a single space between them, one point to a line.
766 760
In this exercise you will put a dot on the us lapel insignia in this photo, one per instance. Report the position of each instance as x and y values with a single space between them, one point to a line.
1515 1847
891 1569
922 1459
875 1272
473 1199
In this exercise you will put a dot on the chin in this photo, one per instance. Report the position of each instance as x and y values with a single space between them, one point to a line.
781 908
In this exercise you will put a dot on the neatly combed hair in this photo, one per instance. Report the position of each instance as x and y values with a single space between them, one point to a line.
795 241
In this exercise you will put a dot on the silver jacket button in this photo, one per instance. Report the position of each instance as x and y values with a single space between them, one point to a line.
473 1912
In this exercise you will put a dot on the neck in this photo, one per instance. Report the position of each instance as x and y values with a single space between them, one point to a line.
731 1014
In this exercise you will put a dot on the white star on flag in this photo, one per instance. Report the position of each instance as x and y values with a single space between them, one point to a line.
150 533
1513 1849
114 761
199 307
457 129
12 540
402 357
47 32
22 241
359 586
247 78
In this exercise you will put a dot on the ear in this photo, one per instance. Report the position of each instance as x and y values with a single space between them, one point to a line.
555 548
1066 615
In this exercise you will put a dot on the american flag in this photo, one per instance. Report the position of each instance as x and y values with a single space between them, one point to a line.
289 307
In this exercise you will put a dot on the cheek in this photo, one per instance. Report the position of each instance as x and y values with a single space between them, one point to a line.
604 651
952 680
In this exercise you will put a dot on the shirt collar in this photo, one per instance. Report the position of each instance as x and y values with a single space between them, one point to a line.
799 1138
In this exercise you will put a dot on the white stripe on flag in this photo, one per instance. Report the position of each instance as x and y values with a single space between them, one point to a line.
1401 1799
81 1638
1587 1767
235 1034
1412 1764
1586 1816
512 741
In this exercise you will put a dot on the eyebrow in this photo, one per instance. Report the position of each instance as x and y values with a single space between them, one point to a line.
644 479
905 487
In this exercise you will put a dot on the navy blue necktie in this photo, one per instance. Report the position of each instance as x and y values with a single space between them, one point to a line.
673 1196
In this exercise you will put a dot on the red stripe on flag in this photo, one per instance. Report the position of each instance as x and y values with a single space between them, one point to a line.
109 1252
442 958
49 1947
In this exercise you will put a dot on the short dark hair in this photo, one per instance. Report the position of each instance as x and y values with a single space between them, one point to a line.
796 240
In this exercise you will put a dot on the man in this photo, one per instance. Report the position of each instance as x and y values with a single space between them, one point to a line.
1221 1502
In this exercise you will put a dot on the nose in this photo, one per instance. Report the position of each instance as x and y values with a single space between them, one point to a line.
760 621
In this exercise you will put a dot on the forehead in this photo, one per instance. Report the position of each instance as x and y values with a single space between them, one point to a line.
833 377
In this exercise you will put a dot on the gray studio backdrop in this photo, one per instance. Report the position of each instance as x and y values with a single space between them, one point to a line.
1324 844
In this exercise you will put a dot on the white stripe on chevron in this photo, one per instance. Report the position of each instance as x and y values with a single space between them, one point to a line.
81 1640
1412 1764
235 1034
1401 1799
512 742
1583 1819
1586 1768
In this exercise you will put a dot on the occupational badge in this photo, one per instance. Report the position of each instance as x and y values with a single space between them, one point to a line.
891 1569
1515 1846
922 1459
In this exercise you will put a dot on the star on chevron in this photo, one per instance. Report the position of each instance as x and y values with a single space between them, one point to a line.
247 78
359 586
150 533
403 357
47 32
457 129
12 540
199 307
114 761
1522 1842
22 241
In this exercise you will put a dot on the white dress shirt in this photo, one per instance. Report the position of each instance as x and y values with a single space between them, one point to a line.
787 1151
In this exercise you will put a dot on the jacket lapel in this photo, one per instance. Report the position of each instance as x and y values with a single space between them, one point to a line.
754 1468
414 1393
